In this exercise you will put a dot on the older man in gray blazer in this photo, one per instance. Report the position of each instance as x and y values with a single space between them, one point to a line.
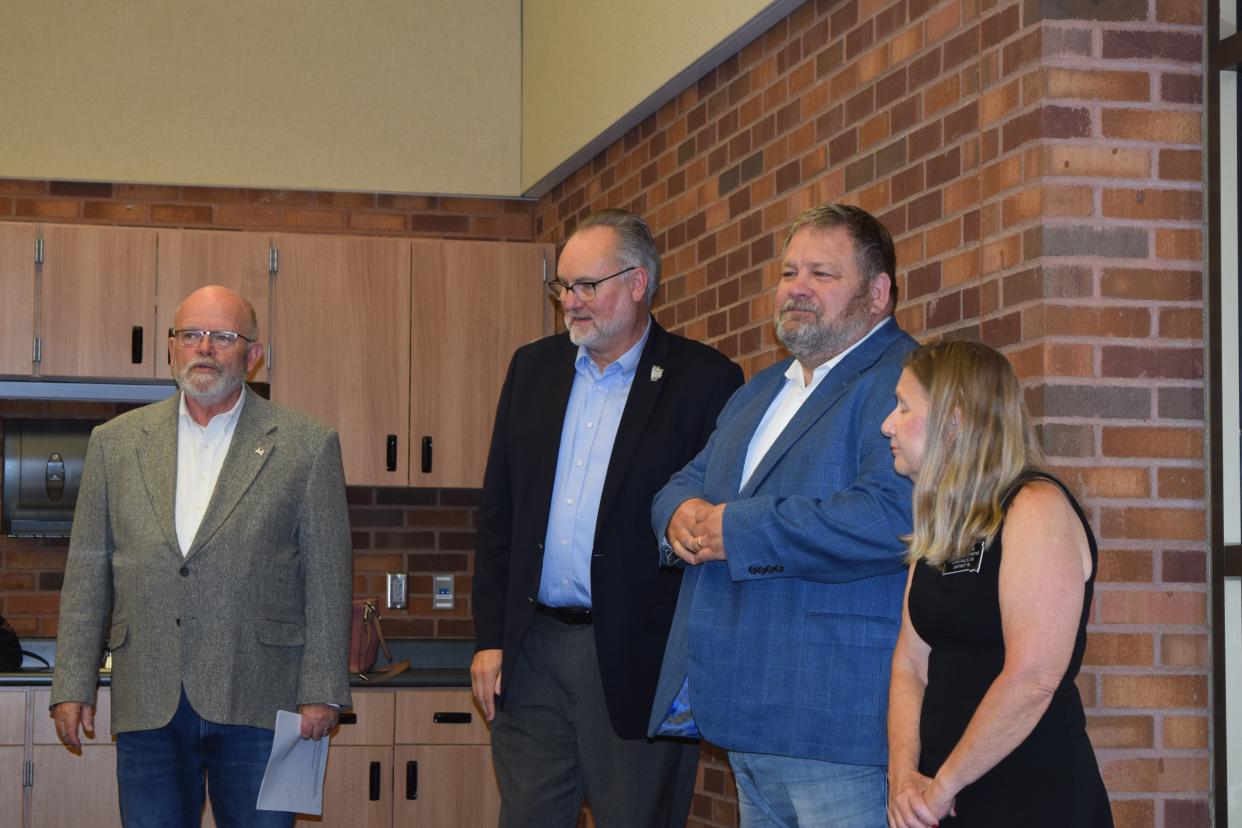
211 553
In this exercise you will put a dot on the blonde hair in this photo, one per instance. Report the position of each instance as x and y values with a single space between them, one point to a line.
979 441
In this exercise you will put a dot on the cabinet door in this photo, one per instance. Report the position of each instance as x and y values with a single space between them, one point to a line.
191 259
341 322
17 287
474 303
90 801
441 785
97 302
357 789
12 760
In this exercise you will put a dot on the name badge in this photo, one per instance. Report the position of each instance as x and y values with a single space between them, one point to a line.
970 562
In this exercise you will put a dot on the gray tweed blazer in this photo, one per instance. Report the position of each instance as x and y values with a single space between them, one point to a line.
254 619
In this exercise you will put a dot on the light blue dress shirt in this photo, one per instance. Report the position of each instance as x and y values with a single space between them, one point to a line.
592 416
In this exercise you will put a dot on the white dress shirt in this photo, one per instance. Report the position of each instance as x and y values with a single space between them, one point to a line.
200 456
789 399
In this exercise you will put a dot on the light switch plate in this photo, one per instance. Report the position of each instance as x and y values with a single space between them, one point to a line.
396 590
442 592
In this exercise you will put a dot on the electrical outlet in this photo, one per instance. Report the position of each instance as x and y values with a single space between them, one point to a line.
442 592
396 590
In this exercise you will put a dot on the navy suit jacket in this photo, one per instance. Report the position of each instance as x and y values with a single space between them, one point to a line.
679 388
787 643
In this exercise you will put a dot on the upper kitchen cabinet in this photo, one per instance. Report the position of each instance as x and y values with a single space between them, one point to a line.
97 302
191 259
341 328
474 304
17 287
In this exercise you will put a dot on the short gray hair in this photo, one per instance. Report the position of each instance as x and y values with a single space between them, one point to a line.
635 245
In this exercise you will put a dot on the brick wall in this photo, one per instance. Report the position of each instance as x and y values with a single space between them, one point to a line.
418 531
1038 163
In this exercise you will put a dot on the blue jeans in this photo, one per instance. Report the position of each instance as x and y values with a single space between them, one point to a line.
160 774
787 792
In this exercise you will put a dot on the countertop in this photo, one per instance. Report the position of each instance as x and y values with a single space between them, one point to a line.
434 662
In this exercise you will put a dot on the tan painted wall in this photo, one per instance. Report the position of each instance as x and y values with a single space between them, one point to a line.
374 95
587 63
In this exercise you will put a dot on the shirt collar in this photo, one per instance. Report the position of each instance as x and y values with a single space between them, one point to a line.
624 365
221 419
794 371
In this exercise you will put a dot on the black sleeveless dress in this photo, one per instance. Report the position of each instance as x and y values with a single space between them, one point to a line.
1052 777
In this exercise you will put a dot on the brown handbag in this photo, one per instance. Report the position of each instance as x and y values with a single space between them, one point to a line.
366 640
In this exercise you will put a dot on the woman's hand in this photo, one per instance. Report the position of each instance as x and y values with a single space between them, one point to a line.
907 802
938 800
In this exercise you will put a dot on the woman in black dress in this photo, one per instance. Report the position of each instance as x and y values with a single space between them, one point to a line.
985 725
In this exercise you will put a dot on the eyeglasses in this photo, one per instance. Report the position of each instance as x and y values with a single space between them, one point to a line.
223 340
583 290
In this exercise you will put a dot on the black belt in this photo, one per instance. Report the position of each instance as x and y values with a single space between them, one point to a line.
566 615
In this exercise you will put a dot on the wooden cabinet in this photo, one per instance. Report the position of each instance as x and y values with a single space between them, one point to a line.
357 784
17 298
191 259
97 302
415 757
399 345
12 755
443 762
474 304
92 798
341 337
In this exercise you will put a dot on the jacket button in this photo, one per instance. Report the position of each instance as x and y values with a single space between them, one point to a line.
185 571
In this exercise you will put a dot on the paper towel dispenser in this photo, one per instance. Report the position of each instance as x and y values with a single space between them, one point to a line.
43 462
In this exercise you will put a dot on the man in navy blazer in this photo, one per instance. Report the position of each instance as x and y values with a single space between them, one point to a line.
571 605
789 523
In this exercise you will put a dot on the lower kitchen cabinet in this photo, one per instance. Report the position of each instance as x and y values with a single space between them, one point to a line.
357 788
412 757
89 800
441 785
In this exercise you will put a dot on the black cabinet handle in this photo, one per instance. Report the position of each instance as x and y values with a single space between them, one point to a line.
135 345
375 782
348 718
451 718
427 455
411 780
392 452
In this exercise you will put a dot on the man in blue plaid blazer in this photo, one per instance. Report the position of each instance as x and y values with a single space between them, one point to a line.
789 526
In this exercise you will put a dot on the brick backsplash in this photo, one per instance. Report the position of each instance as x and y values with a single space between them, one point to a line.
421 532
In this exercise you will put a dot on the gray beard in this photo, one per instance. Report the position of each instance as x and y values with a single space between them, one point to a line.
814 343
213 391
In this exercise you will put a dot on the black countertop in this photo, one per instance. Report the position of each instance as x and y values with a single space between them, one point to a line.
434 662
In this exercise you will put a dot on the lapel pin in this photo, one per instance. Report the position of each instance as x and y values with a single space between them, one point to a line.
260 451
656 373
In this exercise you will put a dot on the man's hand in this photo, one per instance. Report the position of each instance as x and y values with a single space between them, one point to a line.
318 720
68 717
485 680
696 531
